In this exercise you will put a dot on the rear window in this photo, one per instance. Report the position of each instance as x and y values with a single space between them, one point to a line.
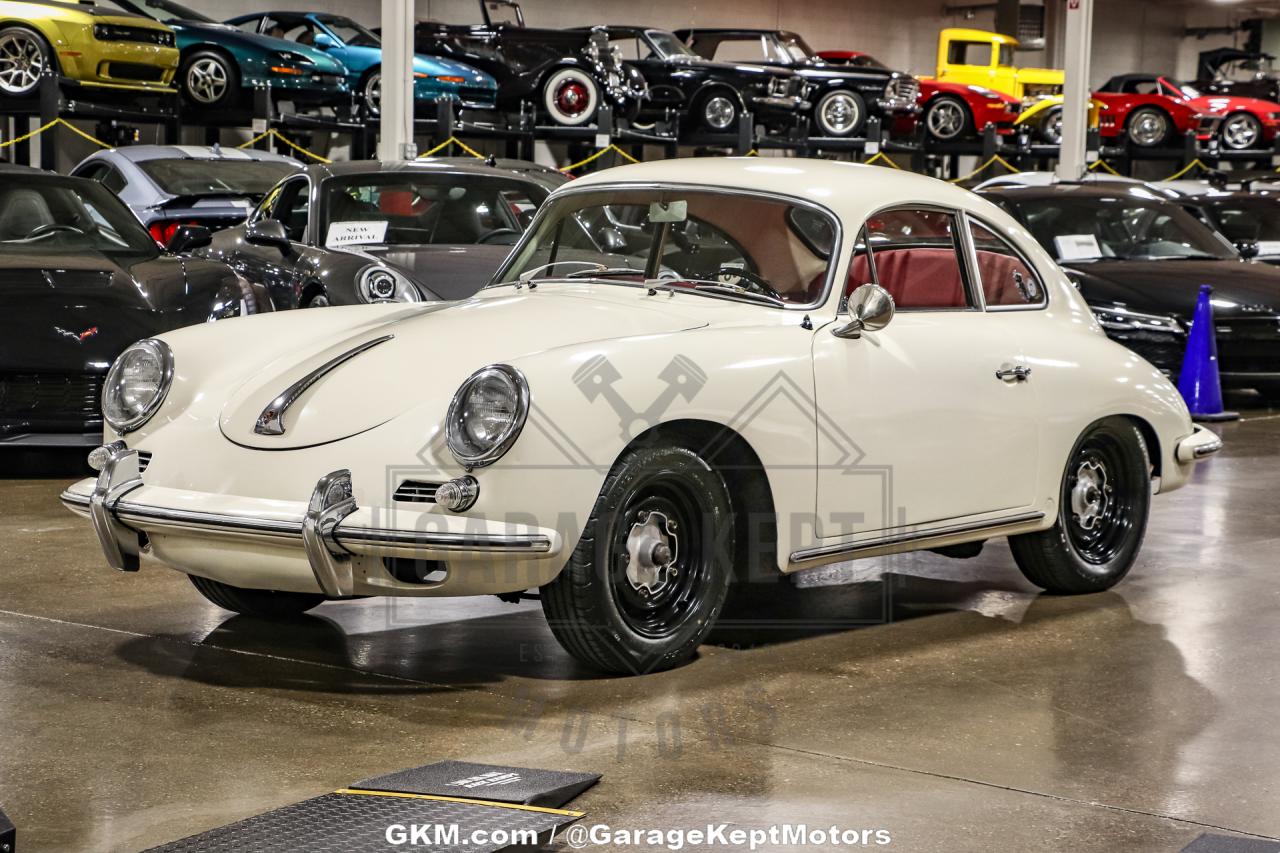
216 177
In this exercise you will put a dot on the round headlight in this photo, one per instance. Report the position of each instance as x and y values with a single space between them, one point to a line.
136 384
486 415
379 284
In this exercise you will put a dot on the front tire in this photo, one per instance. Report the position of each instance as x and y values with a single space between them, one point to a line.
571 97
371 90
1240 132
24 56
267 603
840 113
210 80
1149 127
1102 514
717 112
649 577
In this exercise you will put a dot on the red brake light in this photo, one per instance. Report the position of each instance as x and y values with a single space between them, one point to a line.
162 230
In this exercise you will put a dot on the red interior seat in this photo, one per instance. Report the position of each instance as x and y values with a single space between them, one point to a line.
916 277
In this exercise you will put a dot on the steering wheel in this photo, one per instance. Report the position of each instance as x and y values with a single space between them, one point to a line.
485 238
749 280
50 228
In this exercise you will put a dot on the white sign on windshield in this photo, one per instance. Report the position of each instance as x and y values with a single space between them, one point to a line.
1075 247
355 234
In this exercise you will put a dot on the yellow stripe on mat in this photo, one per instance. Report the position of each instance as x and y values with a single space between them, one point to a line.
517 806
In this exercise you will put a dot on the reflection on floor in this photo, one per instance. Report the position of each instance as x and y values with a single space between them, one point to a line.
942 700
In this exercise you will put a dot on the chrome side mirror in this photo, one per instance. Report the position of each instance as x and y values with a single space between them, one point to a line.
870 308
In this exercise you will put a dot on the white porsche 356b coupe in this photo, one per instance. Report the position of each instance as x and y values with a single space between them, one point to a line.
685 372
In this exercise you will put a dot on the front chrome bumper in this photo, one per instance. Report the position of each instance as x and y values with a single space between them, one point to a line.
329 532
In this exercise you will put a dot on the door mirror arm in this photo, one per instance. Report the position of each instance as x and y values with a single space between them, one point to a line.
870 309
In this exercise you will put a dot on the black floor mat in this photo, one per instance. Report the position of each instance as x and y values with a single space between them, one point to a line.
549 788
1211 843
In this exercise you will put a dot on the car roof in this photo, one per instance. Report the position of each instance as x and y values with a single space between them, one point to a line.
140 153
323 171
727 31
1076 190
850 190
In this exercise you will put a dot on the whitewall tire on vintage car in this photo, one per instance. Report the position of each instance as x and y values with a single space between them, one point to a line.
840 113
1102 514
570 97
255 602
652 570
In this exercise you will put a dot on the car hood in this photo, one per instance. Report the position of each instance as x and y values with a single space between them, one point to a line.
428 344
1240 288
739 67
447 272
235 38
77 313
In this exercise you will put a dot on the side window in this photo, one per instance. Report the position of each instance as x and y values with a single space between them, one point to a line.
1007 279
741 50
915 256
290 209
969 53
95 171
249 25
113 180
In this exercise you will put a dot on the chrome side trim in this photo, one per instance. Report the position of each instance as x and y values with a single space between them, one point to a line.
851 550
396 543
271 421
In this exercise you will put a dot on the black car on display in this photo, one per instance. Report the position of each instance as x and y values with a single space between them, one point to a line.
1243 73
82 281
1250 220
367 231
712 94
842 97
1139 261
566 74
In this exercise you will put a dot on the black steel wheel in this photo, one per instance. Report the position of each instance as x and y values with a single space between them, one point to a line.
255 602
1102 514
651 572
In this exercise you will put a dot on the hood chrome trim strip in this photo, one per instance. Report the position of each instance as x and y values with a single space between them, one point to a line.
271 421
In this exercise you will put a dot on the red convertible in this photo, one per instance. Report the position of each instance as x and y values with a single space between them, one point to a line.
949 110
1150 108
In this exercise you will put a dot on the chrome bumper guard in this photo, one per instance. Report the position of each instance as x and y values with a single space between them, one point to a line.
1200 444
329 544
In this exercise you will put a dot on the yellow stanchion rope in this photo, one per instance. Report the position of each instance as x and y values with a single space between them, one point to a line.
452 140
1104 166
881 156
596 156
1187 168
287 141
57 121
994 159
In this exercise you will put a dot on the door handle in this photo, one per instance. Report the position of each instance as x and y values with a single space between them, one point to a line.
1017 373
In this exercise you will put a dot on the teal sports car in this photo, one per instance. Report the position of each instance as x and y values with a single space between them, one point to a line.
222 64
360 50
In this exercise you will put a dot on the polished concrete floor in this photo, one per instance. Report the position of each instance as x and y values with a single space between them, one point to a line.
945 702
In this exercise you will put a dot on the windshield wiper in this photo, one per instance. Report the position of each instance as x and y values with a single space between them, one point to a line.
603 273
1199 257
704 286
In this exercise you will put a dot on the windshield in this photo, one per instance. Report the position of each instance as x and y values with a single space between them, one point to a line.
216 177
1245 70
349 31
44 215
1122 227
743 245
164 11
419 208
1184 89
666 45
794 48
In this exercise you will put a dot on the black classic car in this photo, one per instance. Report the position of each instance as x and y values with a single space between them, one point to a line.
1243 73
712 94
1139 261
366 231
82 281
566 74
842 97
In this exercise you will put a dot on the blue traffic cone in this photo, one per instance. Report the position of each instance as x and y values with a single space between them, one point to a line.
1198 382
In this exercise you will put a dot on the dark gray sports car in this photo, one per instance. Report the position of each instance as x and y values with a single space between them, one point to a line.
82 280
369 231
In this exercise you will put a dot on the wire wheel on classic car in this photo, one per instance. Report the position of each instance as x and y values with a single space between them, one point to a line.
1051 126
1240 132
1149 127
947 118
571 97
209 79
1102 514
24 56
840 113
650 574
255 602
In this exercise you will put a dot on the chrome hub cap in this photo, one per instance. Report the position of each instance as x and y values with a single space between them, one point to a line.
1091 494
21 63
1240 132
719 112
652 549
207 81
373 92
839 114
1148 128
572 98
946 120
1052 128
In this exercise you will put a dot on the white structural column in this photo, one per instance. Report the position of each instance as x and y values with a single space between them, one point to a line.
1075 124
396 126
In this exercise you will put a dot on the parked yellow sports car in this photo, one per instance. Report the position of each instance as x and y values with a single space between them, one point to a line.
84 43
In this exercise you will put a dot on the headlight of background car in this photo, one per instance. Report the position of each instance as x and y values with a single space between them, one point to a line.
380 284
486 415
137 384
1124 320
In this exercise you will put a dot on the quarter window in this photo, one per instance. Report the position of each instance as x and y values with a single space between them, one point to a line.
1006 278
914 255
290 209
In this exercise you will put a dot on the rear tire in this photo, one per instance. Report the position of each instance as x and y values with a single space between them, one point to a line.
24 56
947 118
210 80
649 577
717 112
841 113
1102 514
1240 132
1050 127
255 602
571 97
1149 127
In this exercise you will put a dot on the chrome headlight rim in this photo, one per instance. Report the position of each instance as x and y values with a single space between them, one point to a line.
498 448
403 290
161 351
